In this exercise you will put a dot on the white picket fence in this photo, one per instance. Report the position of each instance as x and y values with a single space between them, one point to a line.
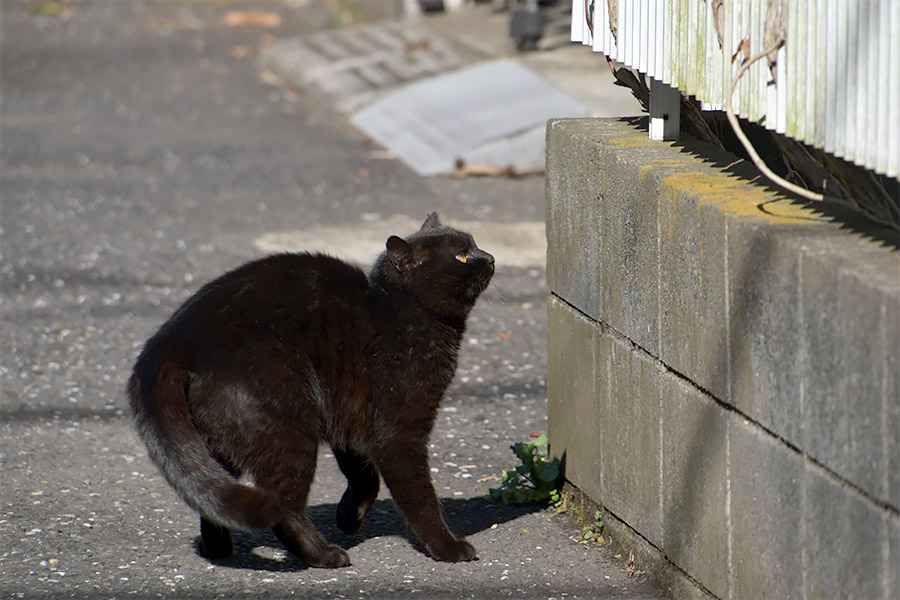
834 83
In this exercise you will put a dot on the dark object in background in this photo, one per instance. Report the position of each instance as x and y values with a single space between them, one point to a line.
526 27
431 5
527 24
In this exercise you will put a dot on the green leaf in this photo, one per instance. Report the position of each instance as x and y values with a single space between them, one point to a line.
522 451
535 480
549 472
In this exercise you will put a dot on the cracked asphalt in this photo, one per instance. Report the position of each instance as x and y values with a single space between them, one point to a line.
143 152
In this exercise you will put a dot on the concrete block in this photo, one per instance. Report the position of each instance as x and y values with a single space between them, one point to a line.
630 443
602 224
692 287
844 305
629 291
572 396
845 541
765 352
573 205
766 513
694 486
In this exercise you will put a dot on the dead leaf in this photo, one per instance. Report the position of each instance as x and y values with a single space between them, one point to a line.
241 51
162 23
505 336
744 49
266 40
418 46
463 170
252 18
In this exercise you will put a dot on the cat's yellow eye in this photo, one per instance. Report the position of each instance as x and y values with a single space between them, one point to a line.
462 258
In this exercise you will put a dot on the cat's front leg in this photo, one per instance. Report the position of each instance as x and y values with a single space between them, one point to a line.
404 468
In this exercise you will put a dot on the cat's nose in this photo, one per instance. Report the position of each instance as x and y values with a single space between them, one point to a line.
485 256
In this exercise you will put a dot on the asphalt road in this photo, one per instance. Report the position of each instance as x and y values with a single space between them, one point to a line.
143 153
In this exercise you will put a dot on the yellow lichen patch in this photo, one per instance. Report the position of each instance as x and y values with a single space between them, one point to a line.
631 141
736 197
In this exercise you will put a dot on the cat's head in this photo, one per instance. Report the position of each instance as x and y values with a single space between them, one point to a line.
439 265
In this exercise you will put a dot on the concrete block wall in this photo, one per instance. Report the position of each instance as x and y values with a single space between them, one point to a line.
723 366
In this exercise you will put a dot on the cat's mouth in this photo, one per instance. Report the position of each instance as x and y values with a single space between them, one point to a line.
485 280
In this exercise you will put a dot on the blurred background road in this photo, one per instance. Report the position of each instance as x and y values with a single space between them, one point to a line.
146 147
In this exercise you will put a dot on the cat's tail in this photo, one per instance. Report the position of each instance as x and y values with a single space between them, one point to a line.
162 417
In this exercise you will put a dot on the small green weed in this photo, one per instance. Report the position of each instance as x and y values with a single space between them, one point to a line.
593 532
558 501
535 480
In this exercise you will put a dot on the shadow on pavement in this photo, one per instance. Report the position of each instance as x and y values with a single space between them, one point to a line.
464 517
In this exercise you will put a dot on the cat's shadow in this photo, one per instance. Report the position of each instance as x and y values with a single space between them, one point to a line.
464 517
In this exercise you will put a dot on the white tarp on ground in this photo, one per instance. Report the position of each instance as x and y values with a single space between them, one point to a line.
493 113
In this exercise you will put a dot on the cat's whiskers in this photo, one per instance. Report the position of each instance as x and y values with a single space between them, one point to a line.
495 289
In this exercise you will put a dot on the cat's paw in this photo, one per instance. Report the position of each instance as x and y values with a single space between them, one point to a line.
215 551
332 557
216 541
455 551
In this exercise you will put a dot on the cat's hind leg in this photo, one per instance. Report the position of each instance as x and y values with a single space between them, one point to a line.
216 541
290 478
362 489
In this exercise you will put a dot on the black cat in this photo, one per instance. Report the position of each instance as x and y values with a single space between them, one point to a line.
263 363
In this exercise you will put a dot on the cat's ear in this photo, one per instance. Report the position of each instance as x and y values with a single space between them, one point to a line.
400 253
431 222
